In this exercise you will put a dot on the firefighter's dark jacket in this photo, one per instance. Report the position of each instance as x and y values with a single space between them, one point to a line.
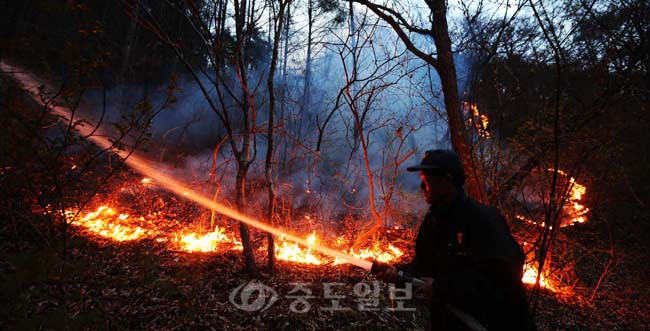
476 265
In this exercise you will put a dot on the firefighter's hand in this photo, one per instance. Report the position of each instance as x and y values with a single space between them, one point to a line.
388 275
427 288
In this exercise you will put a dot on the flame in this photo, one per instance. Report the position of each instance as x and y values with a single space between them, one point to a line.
576 192
209 242
377 253
106 222
577 212
293 252
574 205
530 273
530 277
476 119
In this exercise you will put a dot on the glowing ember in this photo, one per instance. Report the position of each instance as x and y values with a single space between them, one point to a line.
146 180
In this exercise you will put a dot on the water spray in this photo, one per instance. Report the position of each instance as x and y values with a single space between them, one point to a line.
175 186
166 181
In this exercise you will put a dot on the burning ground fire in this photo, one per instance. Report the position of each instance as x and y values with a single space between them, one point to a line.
530 277
575 212
108 222
574 207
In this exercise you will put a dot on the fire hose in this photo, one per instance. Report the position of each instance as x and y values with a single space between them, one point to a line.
405 277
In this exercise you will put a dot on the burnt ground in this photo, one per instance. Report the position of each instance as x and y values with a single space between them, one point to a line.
141 286
103 285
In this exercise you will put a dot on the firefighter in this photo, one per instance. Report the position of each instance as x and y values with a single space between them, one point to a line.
465 254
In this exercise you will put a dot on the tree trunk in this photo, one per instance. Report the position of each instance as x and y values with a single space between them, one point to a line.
306 93
378 220
268 166
249 257
247 107
352 88
444 65
285 59
447 71
127 48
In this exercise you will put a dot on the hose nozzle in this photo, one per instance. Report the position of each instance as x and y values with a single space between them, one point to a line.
402 276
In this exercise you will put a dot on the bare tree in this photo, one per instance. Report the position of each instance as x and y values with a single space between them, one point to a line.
371 71
233 104
443 62
278 27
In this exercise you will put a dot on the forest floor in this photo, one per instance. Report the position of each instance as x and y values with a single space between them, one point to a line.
103 285
100 284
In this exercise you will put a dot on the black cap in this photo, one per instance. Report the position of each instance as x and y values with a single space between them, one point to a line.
444 160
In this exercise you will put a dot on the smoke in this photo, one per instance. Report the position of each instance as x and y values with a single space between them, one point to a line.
399 99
